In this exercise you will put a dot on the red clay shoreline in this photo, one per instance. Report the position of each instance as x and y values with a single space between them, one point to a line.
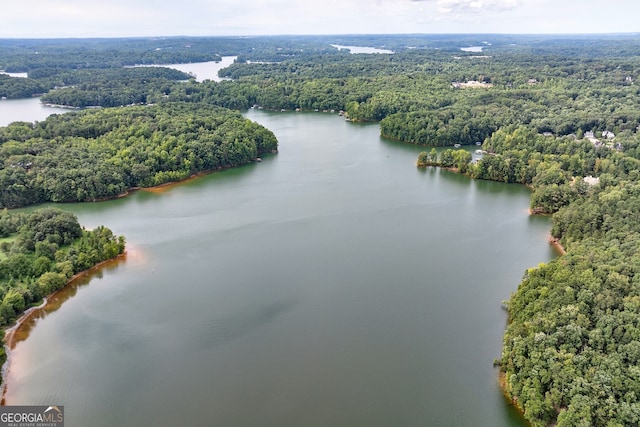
502 377
10 332
165 185
9 340
502 382
557 245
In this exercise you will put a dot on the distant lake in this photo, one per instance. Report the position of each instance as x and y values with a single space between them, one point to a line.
472 49
31 109
201 70
332 284
26 109
362 49
22 75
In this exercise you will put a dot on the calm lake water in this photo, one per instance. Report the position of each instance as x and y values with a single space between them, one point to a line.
362 49
472 49
22 75
27 109
332 284
31 109
201 70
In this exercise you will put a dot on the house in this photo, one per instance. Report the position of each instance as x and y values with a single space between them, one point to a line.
590 180
590 135
471 84
607 134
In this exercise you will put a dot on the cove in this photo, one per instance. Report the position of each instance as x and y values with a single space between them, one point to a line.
331 284
26 109
200 70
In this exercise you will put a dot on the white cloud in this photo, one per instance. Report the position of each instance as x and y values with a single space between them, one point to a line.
82 18
464 6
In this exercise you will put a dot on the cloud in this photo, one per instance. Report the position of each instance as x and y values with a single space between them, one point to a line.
109 18
472 6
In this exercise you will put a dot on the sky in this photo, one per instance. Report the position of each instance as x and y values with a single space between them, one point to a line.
131 18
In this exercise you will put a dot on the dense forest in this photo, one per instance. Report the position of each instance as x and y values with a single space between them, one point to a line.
16 87
560 114
97 154
40 251
431 96
105 88
24 55
110 87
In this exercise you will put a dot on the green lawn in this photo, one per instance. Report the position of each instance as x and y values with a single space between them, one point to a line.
6 239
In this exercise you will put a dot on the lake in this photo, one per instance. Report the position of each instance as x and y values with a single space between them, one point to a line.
362 49
472 49
31 109
26 109
332 284
201 70
21 75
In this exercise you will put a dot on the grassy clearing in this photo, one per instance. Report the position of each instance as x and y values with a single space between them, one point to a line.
9 239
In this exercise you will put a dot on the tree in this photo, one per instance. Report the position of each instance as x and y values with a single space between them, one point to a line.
446 158
423 159
50 282
14 300
433 155
461 160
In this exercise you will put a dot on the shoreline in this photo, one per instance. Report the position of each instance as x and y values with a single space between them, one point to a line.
169 184
557 245
502 383
10 333
502 377
27 314
153 189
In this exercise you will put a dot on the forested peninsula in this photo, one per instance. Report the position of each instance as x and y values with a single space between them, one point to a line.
560 114
97 154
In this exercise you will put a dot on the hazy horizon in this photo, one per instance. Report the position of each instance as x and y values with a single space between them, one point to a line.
177 36
215 18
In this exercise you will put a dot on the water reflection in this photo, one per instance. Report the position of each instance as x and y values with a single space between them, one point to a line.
27 322
222 328
332 284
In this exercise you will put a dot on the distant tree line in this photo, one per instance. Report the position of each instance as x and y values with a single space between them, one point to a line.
19 87
415 92
91 87
107 88
23 55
